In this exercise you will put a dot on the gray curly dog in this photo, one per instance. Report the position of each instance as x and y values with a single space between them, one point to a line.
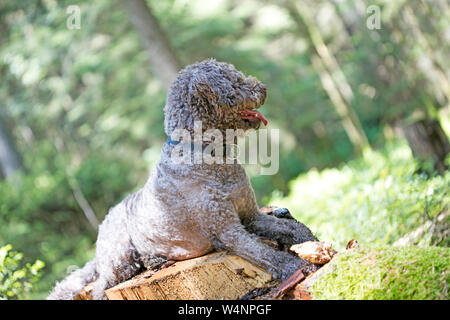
187 210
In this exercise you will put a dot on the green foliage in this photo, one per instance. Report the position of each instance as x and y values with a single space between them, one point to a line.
42 217
377 198
85 106
17 279
386 273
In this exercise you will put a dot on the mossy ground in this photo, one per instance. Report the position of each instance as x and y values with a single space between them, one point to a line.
384 272
376 199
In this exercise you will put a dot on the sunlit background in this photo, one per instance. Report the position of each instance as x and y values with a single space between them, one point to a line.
352 85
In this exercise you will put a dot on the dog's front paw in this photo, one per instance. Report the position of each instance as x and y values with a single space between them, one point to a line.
288 268
302 233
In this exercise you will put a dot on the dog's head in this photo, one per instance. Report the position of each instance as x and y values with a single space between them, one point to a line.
216 94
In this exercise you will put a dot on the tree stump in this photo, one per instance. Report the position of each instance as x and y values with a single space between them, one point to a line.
428 141
214 276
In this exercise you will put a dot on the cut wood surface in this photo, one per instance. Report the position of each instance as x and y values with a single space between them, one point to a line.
214 276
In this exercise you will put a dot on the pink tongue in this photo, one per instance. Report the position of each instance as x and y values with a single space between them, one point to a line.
254 114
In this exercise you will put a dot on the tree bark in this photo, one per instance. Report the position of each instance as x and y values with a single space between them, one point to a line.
10 161
428 142
162 56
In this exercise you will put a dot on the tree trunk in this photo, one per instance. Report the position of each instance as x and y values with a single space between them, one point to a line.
10 161
436 68
162 56
428 142
350 18
341 108
332 78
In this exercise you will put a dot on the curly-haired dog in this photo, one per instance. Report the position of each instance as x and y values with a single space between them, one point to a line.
186 210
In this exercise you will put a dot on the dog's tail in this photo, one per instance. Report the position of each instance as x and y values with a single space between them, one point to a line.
69 288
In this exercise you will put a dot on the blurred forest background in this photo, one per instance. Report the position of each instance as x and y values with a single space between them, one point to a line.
362 105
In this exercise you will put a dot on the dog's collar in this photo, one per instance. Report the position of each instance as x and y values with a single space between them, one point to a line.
172 142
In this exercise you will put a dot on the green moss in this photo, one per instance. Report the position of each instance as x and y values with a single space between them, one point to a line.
382 272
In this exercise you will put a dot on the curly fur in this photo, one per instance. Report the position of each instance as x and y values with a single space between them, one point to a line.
187 210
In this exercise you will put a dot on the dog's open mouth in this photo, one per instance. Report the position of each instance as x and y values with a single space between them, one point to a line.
253 116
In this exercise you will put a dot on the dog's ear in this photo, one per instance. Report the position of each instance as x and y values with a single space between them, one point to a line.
203 99
200 91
